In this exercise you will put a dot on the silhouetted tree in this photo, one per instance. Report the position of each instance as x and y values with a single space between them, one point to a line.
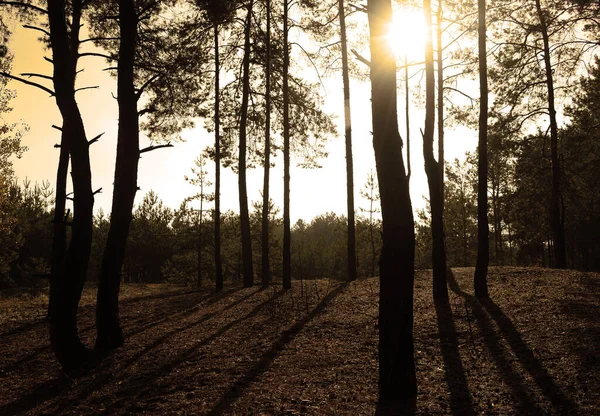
397 380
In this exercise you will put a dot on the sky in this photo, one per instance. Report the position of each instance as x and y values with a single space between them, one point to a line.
313 191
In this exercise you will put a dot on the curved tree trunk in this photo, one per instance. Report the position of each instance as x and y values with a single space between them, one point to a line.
110 334
248 268
483 243
64 338
397 382
287 260
217 219
266 268
433 169
349 163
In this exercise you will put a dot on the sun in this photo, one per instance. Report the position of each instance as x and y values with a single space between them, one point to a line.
406 36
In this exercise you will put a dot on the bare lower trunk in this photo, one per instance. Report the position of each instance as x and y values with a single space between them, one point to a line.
217 219
287 260
433 170
110 334
483 243
397 381
266 269
556 212
244 214
59 236
64 338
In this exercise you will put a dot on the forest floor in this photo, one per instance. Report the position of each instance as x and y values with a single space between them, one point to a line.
534 348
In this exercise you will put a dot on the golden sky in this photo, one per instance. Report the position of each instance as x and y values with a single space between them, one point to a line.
312 191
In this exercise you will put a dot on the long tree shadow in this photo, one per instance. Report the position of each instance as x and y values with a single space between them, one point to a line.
196 301
523 400
135 384
237 389
454 372
561 402
45 391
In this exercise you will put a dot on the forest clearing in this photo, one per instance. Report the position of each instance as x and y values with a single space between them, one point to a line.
531 348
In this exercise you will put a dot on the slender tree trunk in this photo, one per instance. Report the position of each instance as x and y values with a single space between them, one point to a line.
556 213
217 219
65 341
199 254
59 235
248 268
349 163
440 100
110 334
433 168
407 103
266 269
483 242
287 259
397 381
371 233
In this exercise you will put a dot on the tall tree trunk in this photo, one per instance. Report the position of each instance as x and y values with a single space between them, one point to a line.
266 269
397 381
440 99
248 269
556 213
59 235
407 105
287 259
199 249
483 242
110 334
217 219
349 163
433 168
64 338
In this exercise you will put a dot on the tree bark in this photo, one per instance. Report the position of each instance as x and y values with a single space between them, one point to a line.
248 268
351 264
67 346
483 241
397 382
433 168
199 248
266 269
110 334
59 235
556 213
287 260
217 219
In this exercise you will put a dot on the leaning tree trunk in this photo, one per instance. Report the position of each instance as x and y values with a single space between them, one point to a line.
349 163
266 269
556 213
110 335
59 235
64 338
433 168
217 219
483 243
397 382
287 259
248 268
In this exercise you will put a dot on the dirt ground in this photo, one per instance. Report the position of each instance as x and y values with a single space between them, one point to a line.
534 348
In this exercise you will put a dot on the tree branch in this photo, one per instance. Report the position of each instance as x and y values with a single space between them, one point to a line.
87 88
97 39
95 139
24 81
29 75
39 29
143 87
361 58
153 147
101 55
25 5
